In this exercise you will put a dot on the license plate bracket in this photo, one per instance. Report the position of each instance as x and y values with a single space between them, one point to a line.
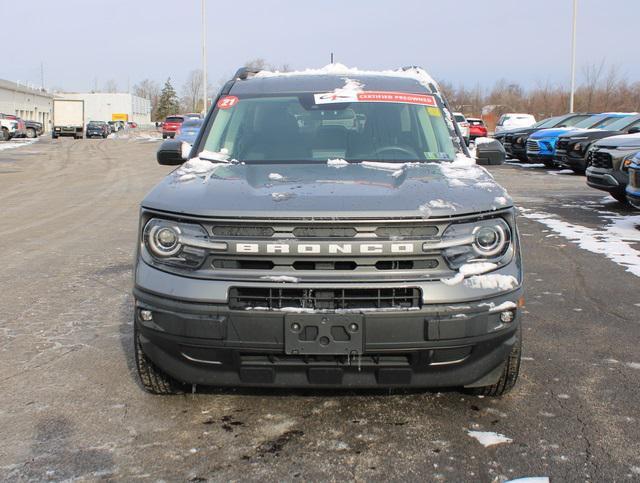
324 334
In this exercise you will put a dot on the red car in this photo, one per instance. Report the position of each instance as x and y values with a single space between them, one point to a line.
170 125
477 129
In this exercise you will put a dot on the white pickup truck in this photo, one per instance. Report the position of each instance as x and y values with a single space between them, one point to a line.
8 128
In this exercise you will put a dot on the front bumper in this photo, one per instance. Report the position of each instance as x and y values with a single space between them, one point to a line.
608 180
440 345
569 159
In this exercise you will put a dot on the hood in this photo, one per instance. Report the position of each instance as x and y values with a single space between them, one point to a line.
624 141
551 133
588 134
354 190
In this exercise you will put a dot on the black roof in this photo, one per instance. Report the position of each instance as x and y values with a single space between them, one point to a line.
278 84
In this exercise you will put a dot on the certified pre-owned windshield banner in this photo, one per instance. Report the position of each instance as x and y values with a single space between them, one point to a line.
340 96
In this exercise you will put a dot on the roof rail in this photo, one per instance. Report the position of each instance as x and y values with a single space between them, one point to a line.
244 72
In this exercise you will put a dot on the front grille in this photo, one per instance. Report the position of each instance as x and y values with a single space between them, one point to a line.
242 231
533 146
246 298
598 159
324 232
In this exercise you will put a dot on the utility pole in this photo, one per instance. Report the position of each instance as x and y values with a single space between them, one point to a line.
204 58
332 57
573 55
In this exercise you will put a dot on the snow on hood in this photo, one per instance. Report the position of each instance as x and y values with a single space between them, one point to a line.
429 189
415 73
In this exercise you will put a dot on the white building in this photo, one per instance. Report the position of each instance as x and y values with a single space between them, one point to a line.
26 102
104 106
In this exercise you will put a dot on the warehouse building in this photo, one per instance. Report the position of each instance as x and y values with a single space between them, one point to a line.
106 106
26 102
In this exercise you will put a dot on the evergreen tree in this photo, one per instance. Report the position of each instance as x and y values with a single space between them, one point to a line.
168 103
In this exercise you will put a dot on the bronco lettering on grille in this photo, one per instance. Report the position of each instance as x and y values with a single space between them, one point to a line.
328 248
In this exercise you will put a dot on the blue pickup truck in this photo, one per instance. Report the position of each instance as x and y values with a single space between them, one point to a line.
541 145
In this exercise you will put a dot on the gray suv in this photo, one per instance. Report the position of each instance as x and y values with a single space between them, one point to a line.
328 229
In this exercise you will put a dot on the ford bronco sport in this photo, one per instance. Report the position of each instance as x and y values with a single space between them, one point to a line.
328 230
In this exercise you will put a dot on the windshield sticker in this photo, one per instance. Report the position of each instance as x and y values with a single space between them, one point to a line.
227 102
434 111
341 96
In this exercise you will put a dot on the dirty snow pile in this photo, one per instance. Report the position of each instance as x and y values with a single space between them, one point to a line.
615 241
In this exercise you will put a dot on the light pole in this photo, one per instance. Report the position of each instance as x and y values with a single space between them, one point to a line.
573 56
204 58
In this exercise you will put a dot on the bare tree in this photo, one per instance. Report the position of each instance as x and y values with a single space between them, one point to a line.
149 89
192 92
110 86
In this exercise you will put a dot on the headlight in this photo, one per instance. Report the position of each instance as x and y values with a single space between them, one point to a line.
577 147
520 140
627 161
485 240
182 245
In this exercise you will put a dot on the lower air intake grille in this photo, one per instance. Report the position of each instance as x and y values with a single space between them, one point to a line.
244 298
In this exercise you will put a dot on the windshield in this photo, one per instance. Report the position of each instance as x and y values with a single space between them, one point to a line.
192 123
299 128
591 121
614 121
549 122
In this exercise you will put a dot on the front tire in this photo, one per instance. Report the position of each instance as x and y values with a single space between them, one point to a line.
31 133
509 374
621 197
152 378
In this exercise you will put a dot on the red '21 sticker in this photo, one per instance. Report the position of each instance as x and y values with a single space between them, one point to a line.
227 102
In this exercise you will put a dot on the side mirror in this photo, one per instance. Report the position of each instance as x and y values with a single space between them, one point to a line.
634 130
489 152
170 153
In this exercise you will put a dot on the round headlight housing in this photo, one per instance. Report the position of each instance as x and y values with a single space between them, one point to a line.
164 240
577 147
489 240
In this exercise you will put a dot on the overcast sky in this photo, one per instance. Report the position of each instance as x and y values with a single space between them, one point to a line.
463 41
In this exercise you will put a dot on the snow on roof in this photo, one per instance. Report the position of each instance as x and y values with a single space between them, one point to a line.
415 73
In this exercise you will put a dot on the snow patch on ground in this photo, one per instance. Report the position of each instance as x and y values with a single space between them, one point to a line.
17 143
633 365
489 438
614 241
526 165
530 479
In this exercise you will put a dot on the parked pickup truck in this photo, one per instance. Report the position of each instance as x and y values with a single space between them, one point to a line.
8 127
329 229
68 118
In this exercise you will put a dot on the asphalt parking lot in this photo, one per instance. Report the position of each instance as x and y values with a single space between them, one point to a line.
71 406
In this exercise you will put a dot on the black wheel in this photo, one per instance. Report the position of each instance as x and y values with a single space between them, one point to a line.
164 136
54 136
549 163
509 373
31 133
153 379
621 197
